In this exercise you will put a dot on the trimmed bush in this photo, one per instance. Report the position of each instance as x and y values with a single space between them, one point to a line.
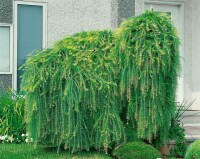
71 93
136 150
193 151
147 52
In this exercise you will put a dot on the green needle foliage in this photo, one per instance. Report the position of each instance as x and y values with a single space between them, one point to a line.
81 92
71 93
136 150
12 121
193 152
147 51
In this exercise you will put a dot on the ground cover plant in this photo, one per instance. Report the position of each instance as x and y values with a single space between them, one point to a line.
136 150
90 87
193 152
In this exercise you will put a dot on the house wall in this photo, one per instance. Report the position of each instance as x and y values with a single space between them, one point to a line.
69 17
66 17
6 17
188 40
121 10
126 9
138 7
6 81
195 52
6 10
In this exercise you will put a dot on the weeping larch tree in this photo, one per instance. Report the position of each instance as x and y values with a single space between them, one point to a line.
70 94
77 91
147 51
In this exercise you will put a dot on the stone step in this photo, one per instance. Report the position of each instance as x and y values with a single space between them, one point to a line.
192 138
191 112
191 123
192 131
191 117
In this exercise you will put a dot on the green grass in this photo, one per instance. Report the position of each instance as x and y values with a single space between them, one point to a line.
24 151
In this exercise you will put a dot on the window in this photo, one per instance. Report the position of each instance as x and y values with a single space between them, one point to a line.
5 49
30 19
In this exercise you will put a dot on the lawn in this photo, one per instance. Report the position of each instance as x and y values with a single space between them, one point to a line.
24 151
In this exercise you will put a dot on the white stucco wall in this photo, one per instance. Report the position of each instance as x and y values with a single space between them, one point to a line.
188 50
138 7
66 17
196 51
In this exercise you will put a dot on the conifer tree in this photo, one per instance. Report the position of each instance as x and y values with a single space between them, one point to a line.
147 51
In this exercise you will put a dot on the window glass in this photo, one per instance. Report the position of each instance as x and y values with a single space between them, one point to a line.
4 49
29 33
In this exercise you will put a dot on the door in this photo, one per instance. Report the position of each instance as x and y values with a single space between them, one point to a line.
176 17
29 34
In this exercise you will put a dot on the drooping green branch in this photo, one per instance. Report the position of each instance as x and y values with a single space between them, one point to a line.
147 51
73 90
68 93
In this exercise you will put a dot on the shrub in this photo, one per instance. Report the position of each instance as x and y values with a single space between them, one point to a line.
12 122
136 150
177 132
193 151
180 147
147 52
71 93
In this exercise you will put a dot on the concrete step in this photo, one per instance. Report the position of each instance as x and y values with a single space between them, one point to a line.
191 124
192 138
192 131
191 117
191 112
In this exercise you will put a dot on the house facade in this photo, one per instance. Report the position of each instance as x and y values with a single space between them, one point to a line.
27 25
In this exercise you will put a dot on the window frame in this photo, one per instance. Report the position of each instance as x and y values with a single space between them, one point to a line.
10 50
44 36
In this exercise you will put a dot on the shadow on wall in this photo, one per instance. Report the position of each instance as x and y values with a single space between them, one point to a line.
5 81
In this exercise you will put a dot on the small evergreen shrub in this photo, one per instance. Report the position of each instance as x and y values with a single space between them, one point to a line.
193 152
136 150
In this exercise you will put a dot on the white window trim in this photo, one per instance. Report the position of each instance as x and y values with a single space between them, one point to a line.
44 41
168 2
11 48
33 1
181 6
